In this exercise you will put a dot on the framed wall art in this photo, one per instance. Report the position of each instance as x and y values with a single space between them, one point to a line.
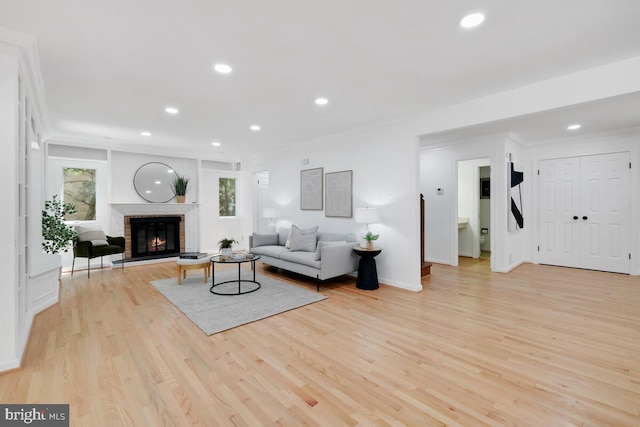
311 189
338 194
485 188
515 178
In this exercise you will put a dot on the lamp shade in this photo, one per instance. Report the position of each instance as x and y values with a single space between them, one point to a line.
269 213
367 215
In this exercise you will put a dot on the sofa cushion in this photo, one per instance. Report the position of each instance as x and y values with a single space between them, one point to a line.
284 234
273 251
304 239
264 239
335 237
304 258
323 243
89 234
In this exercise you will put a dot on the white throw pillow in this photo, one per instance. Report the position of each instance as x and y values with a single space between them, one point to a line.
88 234
288 243
323 243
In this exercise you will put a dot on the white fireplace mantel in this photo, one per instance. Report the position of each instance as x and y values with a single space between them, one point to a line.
153 208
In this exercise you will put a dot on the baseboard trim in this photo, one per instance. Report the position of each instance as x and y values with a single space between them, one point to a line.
7 366
407 286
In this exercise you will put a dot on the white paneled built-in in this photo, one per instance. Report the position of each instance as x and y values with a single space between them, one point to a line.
584 212
30 281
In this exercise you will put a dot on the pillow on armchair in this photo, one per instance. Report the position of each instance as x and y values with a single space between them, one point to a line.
92 234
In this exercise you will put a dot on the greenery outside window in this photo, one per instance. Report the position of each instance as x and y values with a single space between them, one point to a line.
80 189
227 197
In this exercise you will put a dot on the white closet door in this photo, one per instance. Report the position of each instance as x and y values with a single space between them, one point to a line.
559 195
584 212
604 215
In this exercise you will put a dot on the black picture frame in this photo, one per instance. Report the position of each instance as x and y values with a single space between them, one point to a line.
485 188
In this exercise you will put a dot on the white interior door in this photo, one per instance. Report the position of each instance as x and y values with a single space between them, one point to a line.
559 194
584 212
605 212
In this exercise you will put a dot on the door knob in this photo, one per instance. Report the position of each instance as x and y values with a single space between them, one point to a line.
585 217
575 217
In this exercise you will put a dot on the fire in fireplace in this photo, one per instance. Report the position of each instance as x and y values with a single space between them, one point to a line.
155 236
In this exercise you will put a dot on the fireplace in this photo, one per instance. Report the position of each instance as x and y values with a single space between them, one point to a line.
151 237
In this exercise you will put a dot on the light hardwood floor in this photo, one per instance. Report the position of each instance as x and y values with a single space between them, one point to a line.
540 346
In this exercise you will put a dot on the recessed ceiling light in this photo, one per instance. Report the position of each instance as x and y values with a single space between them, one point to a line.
322 101
574 127
472 20
216 144
171 110
222 68
254 128
145 133
158 182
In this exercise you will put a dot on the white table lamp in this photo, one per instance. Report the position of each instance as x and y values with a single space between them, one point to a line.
270 213
366 216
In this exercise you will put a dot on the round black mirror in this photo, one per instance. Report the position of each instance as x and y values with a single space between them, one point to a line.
154 182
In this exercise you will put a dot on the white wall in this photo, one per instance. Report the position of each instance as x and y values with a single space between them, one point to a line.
212 227
384 164
125 164
438 169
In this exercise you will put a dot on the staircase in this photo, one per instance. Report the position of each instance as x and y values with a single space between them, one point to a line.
425 268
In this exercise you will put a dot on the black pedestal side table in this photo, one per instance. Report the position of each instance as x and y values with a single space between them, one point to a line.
367 272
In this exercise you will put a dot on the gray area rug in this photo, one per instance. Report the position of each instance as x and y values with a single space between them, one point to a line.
217 313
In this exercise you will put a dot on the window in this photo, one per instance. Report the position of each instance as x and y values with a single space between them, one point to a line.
80 189
227 196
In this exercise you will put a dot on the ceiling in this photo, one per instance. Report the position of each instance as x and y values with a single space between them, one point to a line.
601 117
110 68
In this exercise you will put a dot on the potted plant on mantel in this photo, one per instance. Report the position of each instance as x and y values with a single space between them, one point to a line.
180 185
225 247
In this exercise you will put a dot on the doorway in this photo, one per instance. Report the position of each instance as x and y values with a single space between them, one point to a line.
474 208
261 182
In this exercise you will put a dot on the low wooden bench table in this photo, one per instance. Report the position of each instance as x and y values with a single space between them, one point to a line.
193 264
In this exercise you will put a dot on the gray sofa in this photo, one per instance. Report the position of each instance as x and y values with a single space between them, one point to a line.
323 256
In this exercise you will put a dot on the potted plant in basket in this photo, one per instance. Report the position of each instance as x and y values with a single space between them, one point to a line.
56 234
180 184
370 237
225 247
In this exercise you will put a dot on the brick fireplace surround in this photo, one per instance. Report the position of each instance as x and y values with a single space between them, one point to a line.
127 231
